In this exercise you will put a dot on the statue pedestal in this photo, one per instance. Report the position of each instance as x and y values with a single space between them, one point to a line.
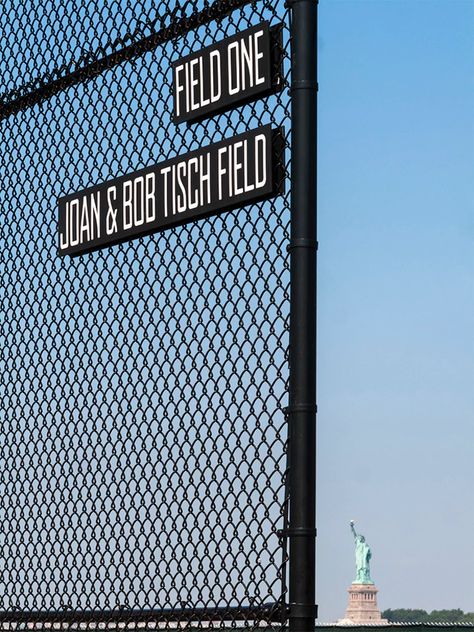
362 606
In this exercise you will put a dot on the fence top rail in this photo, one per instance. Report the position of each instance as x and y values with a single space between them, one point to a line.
91 63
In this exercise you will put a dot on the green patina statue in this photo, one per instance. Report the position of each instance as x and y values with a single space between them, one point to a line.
362 555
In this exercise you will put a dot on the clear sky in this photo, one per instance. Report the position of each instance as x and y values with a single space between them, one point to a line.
396 300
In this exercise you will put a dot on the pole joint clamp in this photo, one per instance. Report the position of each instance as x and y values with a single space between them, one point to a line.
297 532
312 244
290 3
304 84
303 611
300 408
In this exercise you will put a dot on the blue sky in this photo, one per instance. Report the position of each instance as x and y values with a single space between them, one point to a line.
396 300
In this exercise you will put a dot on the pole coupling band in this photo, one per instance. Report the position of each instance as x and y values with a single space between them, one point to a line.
304 84
289 3
312 244
303 611
301 408
297 532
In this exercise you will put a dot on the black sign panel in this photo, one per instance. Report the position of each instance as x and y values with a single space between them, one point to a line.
213 179
228 73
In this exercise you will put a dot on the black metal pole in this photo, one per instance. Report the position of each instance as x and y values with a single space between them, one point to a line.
302 387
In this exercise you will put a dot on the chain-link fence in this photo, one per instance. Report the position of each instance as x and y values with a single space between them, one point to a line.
142 386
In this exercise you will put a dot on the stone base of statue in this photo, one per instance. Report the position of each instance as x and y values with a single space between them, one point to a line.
362 606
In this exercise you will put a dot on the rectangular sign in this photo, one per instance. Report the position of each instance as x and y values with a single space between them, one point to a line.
205 182
233 71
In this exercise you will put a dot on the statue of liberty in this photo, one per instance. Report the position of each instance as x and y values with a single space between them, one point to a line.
362 555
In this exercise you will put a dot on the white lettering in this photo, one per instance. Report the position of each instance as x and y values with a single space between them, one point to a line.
203 101
150 203
247 61
220 169
215 71
237 167
127 210
173 186
192 203
181 199
194 82
186 73
205 178
179 87
74 222
260 158
200 79
259 79
95 216
233 68
111 218
165 173
84 221
64 237
138 202
247 186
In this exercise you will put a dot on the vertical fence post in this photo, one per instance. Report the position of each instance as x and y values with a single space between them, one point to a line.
302 382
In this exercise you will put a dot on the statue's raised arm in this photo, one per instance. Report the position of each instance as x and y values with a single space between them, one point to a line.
352 529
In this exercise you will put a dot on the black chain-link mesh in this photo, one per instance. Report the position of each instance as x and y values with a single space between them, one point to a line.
142 387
